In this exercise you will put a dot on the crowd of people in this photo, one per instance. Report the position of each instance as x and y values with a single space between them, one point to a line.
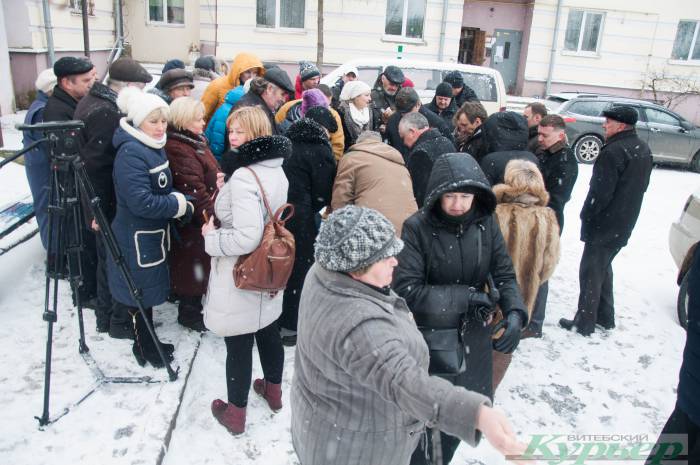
425 237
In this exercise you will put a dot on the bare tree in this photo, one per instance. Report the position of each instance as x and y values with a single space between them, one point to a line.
669 89
319 37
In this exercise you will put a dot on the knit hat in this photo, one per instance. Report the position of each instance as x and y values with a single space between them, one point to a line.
128 70
406 99
175 78
455 79
355 237
70 66
353 89
137 105
312 98
45 81
173 64
308 70
207 62
444 89
322 116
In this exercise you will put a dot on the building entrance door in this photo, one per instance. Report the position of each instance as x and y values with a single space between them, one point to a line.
505 56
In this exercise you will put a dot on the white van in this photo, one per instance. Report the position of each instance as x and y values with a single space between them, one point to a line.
487 83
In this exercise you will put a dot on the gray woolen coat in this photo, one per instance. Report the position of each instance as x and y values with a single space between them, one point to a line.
361 392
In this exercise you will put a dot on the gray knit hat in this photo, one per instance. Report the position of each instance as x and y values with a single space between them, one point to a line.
355 237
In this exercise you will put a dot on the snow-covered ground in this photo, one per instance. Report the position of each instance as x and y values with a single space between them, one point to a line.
11 137
620 381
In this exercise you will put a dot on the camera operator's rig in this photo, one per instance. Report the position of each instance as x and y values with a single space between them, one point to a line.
70 190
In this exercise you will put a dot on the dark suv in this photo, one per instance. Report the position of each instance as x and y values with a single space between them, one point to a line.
672 139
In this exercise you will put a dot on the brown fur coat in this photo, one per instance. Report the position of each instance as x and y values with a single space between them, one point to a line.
531 232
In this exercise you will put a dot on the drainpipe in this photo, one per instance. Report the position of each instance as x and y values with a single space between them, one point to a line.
441 50
86 31
552 56
49 33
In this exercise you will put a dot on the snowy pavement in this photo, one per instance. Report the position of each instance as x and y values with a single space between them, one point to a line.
615 382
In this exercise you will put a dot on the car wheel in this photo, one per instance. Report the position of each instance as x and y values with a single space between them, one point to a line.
695 163
682 302
587 148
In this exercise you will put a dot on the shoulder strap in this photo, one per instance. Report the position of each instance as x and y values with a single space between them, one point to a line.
262 192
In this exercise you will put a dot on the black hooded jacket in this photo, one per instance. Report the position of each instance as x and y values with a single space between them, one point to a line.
620 178
447 114
442 260
504 139
428 148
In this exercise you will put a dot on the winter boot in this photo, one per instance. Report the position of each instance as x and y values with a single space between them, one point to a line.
289 337
121 330
144 348
167 348
102 318
189 314
231 417
271 392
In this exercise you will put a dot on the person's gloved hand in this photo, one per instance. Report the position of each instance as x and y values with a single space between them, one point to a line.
187 216
479 302
512 324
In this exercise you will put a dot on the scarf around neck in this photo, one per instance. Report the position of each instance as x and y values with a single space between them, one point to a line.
361 117
141 136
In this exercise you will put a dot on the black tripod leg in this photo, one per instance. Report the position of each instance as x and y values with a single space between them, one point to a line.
115 252
75 259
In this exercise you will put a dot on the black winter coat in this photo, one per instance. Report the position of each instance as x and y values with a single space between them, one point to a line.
60 106
474 145
620 177
98 110
559 169
428 148
689 377
532 143
380 102
441 261
466 95
447 114
392 129
310 172
251 99
494 164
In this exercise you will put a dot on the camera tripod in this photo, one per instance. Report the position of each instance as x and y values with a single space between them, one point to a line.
70 190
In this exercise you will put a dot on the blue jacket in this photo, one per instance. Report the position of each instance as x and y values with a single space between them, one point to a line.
146 202
37 167
216 129
689 378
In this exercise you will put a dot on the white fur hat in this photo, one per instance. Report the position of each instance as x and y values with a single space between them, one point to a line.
45 81
137 105
352 89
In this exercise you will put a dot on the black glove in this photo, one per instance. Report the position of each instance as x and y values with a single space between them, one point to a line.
480 305
513 324
187 216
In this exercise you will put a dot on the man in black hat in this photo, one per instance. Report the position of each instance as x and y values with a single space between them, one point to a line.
443 104
74 77
408 101
174 83
620 178
460 91
98 110
268 93
383 95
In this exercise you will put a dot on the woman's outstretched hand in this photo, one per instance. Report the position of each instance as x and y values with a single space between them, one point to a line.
498 432
208 226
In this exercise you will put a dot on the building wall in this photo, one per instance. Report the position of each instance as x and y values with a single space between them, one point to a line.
157 43
352 29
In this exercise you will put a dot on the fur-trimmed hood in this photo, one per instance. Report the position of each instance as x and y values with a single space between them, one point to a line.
257 150
509 194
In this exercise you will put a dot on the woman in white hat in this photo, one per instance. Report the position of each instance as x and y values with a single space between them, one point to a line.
354 110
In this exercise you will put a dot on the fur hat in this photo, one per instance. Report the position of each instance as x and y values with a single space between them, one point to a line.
137 105
322 116
45 81
308 70
128 70
623 114
175 78
444 89
353 89
312 98
355 237
173 64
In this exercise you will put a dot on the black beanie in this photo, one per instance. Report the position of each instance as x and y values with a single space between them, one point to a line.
323 117
444 89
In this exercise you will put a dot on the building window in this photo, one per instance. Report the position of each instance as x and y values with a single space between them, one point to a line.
76 6
687 45
583 31
405 18
166 11
280 13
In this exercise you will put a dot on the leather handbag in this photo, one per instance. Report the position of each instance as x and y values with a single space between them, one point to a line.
268 267
447 351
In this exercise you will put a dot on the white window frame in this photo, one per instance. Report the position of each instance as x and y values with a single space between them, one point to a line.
693 42
276 26
404 24
578 50
165 22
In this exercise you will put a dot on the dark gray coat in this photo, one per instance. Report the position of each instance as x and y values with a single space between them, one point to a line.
361 392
